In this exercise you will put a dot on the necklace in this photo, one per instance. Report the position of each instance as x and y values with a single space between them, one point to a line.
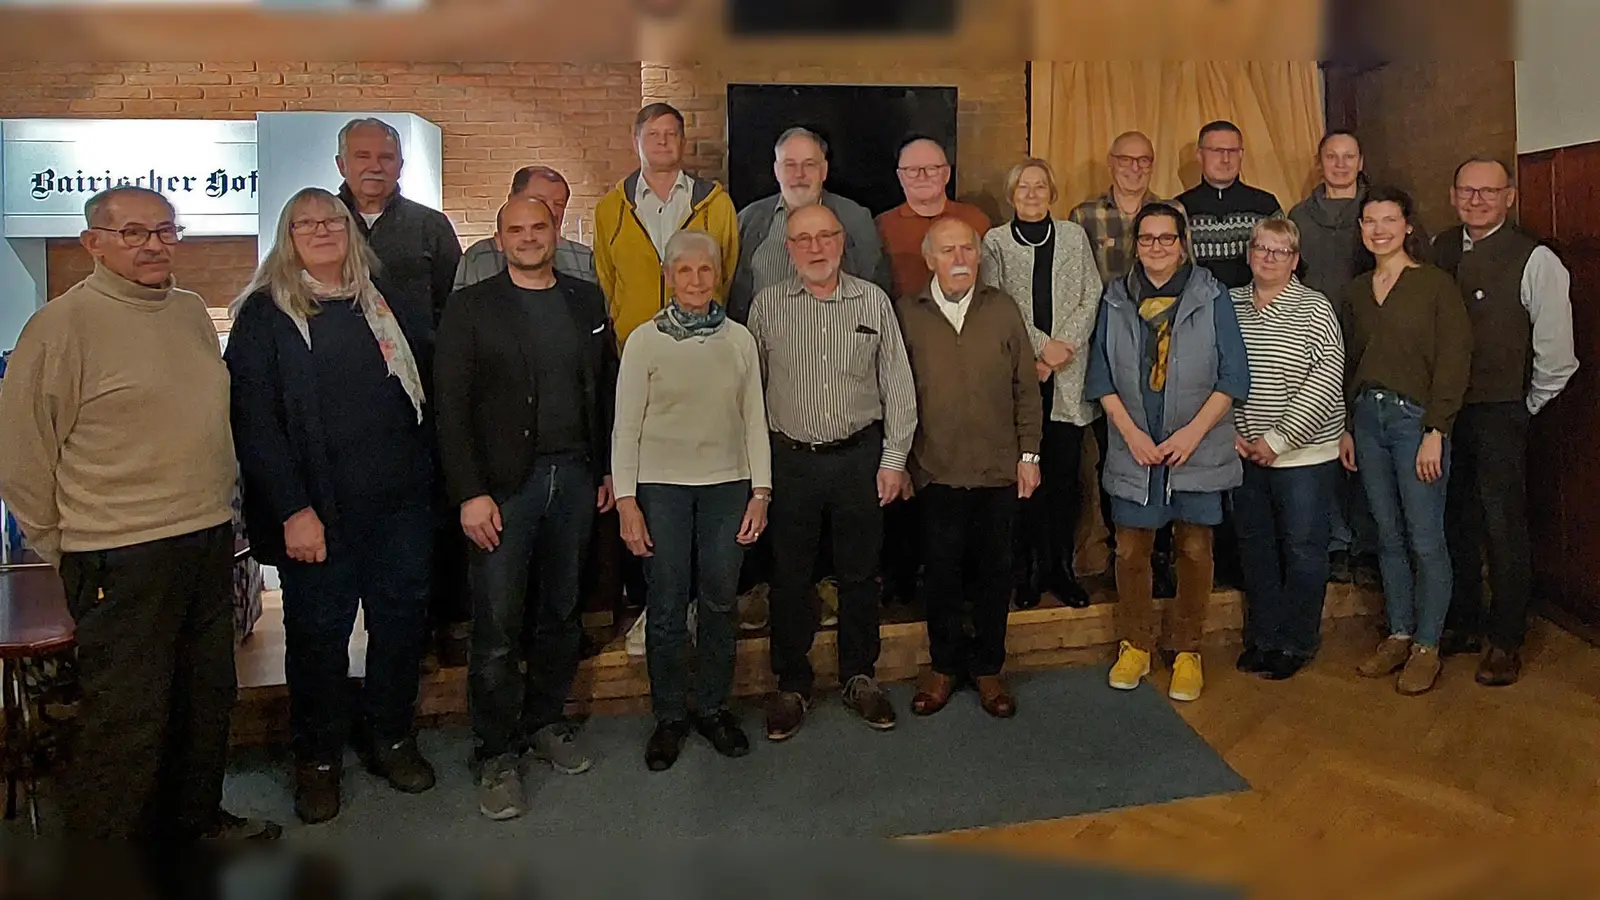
1048 234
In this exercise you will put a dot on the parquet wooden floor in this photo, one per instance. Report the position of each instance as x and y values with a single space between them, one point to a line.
1358 792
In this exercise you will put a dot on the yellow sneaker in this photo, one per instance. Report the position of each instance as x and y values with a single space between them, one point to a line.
1187 677
1132 666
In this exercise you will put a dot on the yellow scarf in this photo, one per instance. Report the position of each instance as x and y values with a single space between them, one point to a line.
1154 310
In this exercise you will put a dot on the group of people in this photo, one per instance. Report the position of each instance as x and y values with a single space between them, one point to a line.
762 396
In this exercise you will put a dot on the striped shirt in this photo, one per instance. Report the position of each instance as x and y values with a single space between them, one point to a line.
1296 354
771 263
834 366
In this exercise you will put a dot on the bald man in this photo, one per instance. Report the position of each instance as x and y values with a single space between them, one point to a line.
924 172
842 410
1109 218
524 394
976 451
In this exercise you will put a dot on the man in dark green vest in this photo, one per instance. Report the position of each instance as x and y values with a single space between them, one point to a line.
1517 294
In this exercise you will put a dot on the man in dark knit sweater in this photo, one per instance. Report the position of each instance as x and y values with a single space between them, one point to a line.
1223 211
1517 297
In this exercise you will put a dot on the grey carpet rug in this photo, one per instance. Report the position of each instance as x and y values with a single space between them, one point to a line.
1075 747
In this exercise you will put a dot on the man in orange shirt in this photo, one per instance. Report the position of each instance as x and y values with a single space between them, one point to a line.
924 172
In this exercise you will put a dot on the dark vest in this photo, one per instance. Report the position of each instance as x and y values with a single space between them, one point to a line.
1490 275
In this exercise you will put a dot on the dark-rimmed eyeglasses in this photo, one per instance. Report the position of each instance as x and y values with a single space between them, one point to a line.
307 226
1137 162
1275 254
806 241
1489 194
922 171
138 235
1150 240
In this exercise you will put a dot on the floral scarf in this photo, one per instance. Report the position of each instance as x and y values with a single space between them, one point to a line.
385 329
678 323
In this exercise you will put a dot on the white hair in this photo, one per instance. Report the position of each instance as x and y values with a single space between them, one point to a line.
691 241
369 122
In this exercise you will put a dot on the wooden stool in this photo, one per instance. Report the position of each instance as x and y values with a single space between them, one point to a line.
34 624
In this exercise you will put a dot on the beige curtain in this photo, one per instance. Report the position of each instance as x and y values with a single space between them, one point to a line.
1079 107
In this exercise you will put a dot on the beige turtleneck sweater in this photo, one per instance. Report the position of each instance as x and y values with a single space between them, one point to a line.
114 419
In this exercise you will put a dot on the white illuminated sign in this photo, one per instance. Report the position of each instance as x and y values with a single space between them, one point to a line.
51 166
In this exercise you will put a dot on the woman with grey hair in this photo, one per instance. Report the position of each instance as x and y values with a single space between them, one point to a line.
691 463
329 423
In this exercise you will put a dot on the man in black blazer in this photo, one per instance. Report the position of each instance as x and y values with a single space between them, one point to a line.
524 389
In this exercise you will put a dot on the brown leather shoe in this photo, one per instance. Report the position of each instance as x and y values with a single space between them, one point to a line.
316 792
786 712
995 699
933 693
1499 668
865 698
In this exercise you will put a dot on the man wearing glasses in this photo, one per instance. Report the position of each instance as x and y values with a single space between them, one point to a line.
924 172
117 459
1223 211
1517 294
1108 219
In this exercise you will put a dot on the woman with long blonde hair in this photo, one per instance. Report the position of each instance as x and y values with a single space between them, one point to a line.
330 425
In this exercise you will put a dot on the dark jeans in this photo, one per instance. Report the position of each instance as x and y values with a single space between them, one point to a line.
692 527
1047 522
1409 513
1487 507
381 563
1353 530
1282 517
967 534
549 522
839 488
155 665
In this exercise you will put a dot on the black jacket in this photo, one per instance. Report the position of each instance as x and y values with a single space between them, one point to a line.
418 252
484 396
278 435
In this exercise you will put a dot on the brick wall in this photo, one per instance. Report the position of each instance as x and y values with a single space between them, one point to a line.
215 268
495 117
992 123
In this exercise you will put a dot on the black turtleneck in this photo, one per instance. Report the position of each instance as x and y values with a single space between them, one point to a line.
1042 236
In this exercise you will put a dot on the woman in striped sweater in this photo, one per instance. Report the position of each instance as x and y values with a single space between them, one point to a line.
1288 437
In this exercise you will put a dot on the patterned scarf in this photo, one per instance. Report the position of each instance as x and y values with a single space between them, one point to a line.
1157 307
677 323
385 329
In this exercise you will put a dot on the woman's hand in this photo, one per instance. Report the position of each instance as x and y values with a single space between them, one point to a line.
1430 457
1177 449
634 532
755 519
1347 452
1055 354
1242 447
303 537
1043 371
1144 450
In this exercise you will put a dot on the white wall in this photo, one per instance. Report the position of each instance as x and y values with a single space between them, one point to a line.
1558 70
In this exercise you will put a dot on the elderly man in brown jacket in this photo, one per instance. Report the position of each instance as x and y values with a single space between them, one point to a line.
975 452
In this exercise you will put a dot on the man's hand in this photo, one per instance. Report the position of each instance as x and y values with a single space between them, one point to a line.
1430 457
1027 479
605 498
891 485
480 520
1056 354
303 537
634 532
1347 452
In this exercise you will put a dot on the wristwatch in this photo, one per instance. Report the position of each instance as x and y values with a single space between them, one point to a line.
1031 459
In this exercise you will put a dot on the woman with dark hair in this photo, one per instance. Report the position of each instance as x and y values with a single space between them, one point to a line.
329 421
1167 363
1408 357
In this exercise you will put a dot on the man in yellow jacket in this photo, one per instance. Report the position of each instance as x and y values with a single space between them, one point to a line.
634 221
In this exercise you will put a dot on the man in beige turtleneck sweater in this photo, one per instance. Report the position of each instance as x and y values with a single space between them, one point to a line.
117 460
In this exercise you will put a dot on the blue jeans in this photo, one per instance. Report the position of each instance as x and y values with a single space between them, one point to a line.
1282 518
379 562
1409 514
549 522
694 529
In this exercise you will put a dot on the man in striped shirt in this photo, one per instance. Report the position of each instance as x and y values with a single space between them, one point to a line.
1288 435
842 410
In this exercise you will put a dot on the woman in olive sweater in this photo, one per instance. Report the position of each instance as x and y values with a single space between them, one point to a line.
1409 353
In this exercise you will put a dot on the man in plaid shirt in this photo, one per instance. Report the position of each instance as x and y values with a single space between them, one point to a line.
1109 218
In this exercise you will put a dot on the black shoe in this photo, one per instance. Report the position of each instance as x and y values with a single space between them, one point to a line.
786 712
666 742
722 729
1457 643
1027 595
1499 668
1163 577
1253 659
1278 665
402 765
1066 589
316 791
1339 571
